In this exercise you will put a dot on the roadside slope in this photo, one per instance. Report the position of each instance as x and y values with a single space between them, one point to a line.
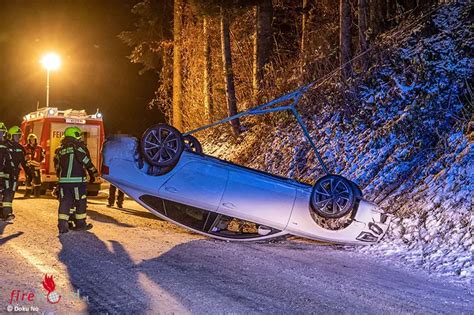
401 131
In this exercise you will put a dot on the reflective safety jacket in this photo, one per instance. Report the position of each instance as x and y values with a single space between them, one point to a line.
34 155
71 162
17 154
5 161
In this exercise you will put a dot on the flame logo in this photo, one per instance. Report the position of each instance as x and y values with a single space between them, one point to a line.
48 284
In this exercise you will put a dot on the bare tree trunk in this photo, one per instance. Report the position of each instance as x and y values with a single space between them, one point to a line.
228 73
425 5
207 72
391 12
345 37
362 16
177 62
377 16
408 4
262 45
304 35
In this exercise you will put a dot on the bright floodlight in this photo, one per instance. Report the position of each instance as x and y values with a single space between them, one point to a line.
51 61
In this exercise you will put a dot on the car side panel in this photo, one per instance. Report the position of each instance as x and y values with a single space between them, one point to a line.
258 198
198 184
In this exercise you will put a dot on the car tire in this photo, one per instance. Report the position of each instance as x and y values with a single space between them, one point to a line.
333 197
192 144
161 145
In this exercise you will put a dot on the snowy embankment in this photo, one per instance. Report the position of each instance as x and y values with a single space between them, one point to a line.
405 140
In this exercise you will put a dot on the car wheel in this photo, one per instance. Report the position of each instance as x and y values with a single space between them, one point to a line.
333 197
162 145
192 144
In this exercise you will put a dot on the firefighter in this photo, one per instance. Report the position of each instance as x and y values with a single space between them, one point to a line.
5 163
72 162
55 193
34 156
17 155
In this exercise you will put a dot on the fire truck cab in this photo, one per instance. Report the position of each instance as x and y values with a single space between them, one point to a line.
48 124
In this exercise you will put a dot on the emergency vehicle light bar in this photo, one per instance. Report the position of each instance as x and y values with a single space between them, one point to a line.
55 112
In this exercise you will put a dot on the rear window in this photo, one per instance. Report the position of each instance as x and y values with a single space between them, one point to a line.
37 129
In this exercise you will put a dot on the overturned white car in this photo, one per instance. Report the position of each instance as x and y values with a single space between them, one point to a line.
168 174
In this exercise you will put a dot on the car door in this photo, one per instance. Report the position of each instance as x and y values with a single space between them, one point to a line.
258 197
198 183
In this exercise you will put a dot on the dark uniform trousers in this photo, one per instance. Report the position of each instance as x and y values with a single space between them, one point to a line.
120 195
8 196
73 196
8 184
5 204
33 181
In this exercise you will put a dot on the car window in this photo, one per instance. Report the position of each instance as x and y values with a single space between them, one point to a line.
190 216
38 130
231 227
154 202
207 221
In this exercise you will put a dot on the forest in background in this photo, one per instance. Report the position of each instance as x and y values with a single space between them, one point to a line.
216 57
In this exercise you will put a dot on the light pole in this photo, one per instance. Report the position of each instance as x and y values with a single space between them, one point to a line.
51 62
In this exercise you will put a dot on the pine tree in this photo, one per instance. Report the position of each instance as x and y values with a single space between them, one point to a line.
207 71
177 65
362 17
345 42
262 45
228 71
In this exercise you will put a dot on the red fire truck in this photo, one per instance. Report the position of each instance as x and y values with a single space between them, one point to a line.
48 124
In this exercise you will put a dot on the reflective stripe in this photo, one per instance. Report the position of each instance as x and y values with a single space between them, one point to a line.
7 184
72 210
85 160
63 216
72 180
3 175
76 193
83 197
7 204
14 186
61 191
81 216
69 167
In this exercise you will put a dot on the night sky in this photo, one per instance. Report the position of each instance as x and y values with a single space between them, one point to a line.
95 72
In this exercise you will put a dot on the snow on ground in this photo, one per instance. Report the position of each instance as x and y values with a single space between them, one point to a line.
133 263
403 137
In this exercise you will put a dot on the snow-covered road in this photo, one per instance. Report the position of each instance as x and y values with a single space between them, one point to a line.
132 262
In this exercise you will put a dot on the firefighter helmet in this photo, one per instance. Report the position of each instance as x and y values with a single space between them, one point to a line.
3 128
74 132
32 136
3 131
15 130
